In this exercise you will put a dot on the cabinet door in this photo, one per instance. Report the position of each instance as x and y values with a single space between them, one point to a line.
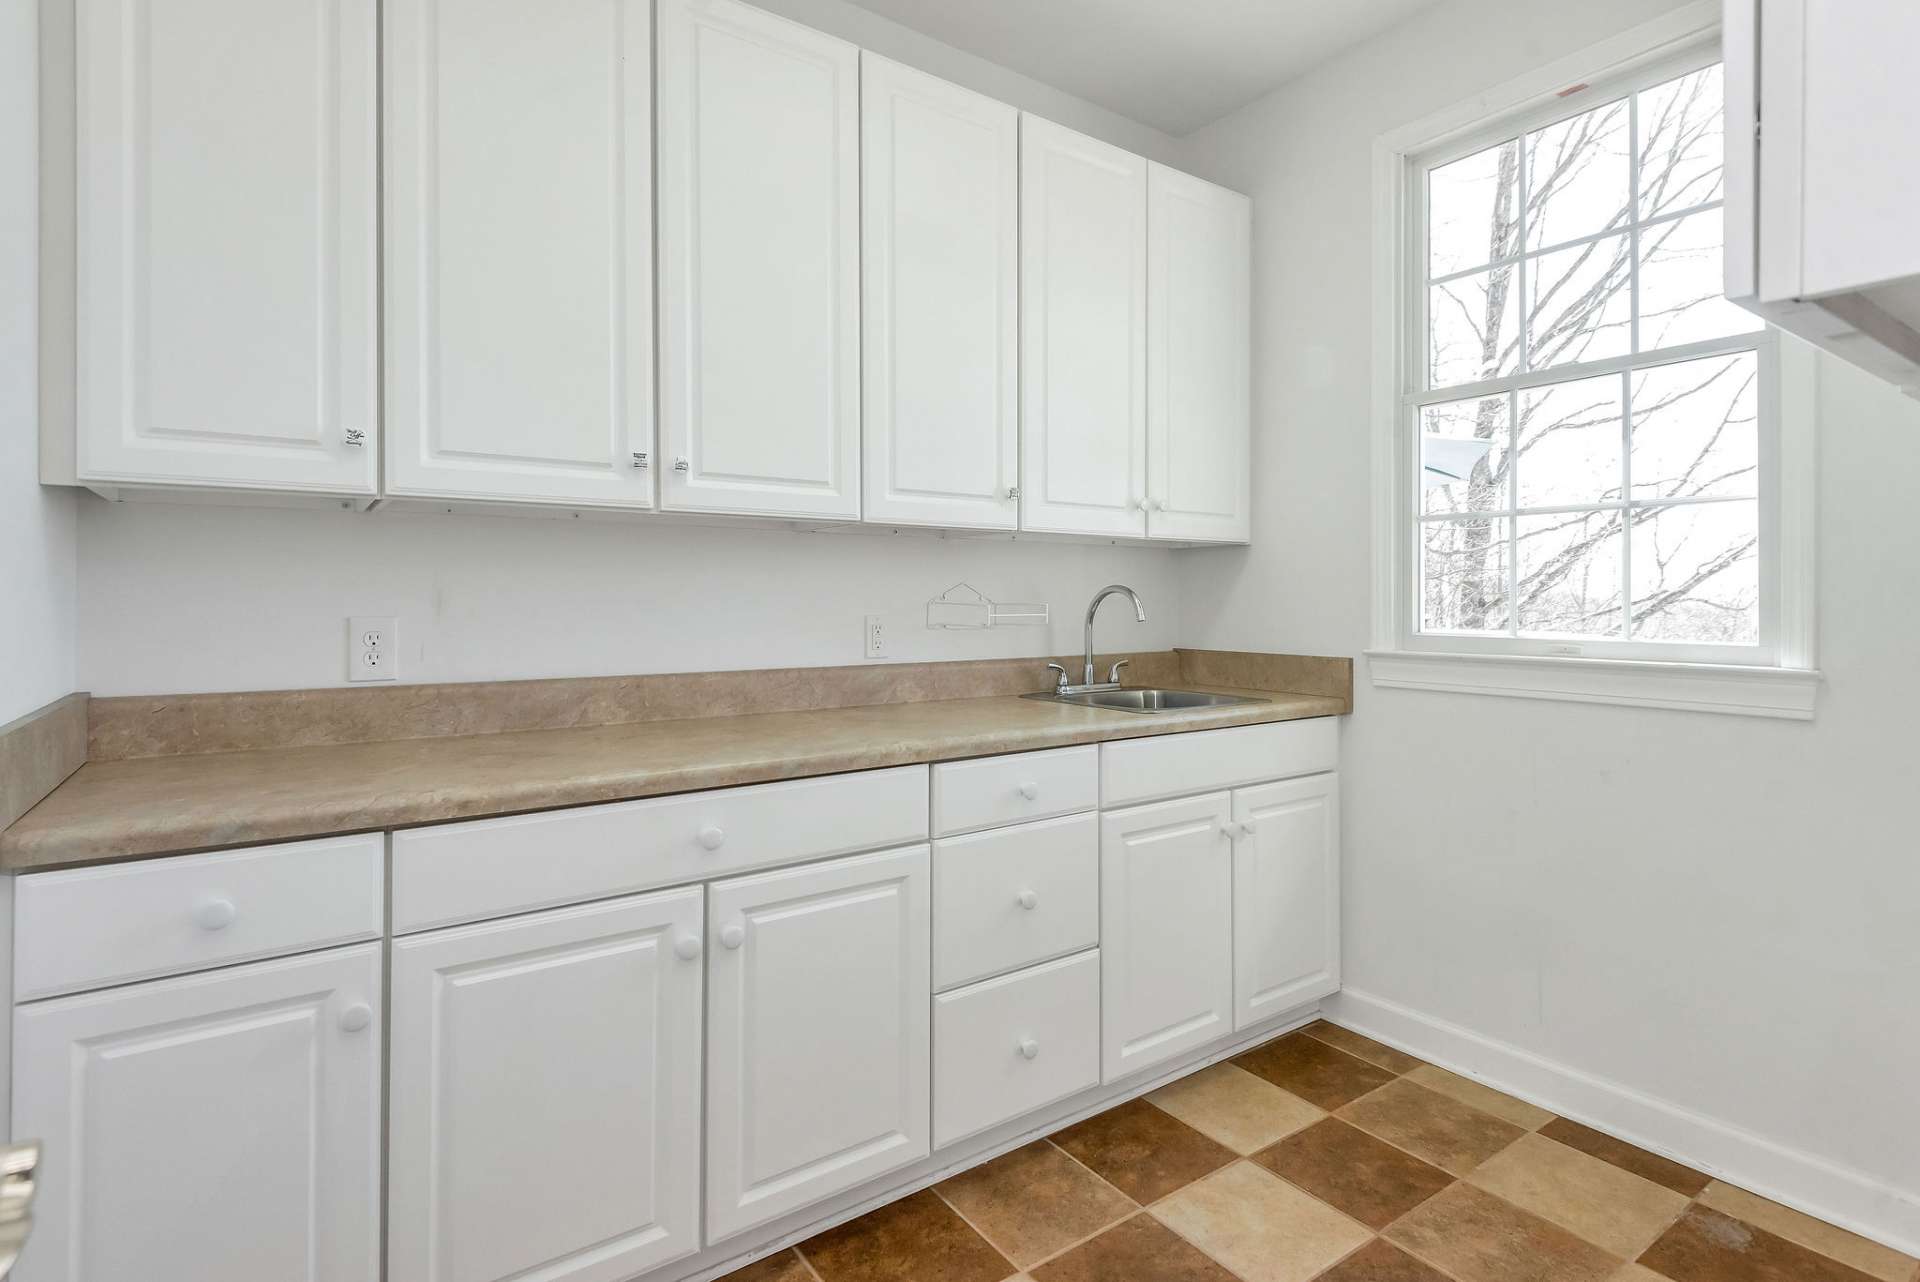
817 1033
1166 921
225 202
561 1050
1199 256
1083 332
222 1127
519 241
939 262
1286 896
759 148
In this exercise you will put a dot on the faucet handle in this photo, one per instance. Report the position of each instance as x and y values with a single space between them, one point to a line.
1061 684
1113 673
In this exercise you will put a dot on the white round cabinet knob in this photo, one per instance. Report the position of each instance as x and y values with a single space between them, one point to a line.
734 935
215 914
356 1017
1246 829
711 837
687 947
1029 1048
1028 900
1030 790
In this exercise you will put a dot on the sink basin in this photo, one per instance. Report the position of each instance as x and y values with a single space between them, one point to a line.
1146 700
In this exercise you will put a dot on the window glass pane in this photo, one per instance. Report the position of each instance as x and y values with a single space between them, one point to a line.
1580 303
1570 443
1683 282
1578 177
1463 569
1696 573
1463 455
1568 574
1682 144
1473 328
1471 208
1696 428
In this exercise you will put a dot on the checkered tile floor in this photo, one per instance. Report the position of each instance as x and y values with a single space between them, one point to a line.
1324 1155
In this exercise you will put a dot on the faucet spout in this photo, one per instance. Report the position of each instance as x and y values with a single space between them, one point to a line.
1093 608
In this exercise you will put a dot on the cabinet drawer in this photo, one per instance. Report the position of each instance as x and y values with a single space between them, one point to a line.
1014 896
991 791
1204 760
1010 1045
492 867
90 927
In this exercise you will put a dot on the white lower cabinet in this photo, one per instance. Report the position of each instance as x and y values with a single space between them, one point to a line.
1010 1045
222 1127
546 1094
1286 896
817 1032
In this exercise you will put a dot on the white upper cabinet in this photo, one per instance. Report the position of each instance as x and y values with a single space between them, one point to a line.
939 259
1199 256
759 242
1286 896
1083 333
225 244
519 250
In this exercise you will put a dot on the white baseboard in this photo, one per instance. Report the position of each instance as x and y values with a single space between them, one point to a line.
1839 1195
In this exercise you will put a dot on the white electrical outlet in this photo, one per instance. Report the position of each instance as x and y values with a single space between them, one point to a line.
874 636
373 649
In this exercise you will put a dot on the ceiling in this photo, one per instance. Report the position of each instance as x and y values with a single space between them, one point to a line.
1172 64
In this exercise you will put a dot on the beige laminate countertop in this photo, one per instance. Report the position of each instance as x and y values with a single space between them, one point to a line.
110 810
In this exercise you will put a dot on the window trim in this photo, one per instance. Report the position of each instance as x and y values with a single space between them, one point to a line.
1776 678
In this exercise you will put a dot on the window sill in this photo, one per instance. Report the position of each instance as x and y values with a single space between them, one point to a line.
1690 687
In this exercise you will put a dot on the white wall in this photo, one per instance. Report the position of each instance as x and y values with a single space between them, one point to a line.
1719 913
36 525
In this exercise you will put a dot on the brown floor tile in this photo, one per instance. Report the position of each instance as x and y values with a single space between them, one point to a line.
1471 1093
1440 1130
1706 1246
1259 1226
784 1267
1882 1262
1313 1070
1034 1201
1142 1151
1361 1047
1605 1205
1368 1178
917 1239
1648 1166
1479 1238
1231 1106
1381 1261
1137 1250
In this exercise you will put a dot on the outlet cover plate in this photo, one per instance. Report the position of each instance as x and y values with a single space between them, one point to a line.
373 648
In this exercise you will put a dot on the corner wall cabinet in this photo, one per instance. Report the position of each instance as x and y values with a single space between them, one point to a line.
777 1002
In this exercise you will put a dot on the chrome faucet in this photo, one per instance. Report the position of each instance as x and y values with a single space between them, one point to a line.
1086 675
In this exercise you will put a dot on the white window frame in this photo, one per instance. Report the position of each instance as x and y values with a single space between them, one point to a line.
1777 677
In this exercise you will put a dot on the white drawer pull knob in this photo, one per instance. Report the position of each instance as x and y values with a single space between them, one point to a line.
1246 830
733 936
1030 790
215 914
356 1017
1029 1048
687 947
712 838
1029 900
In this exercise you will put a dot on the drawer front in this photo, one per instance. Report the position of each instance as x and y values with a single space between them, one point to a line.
1013 1044
1014 896
992 791
493 867
90 927
1204 760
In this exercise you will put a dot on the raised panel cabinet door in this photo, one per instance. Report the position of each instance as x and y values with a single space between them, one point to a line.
222 1127
1083 333
940 198
226 254
519 250
817 1033
1286 896
759 259
546 1094
1199 256
1166 931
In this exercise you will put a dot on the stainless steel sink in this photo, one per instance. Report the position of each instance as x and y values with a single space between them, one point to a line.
1146 700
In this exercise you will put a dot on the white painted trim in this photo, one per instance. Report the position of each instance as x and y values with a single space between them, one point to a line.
1851 1199
1688 687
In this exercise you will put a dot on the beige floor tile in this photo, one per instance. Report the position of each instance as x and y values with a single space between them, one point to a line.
1605 1205
1869 1257
1231 1106
1637 1273
1034 1201
1484 1098
1433 1127
1363 1047
1259 1226
1478 1237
